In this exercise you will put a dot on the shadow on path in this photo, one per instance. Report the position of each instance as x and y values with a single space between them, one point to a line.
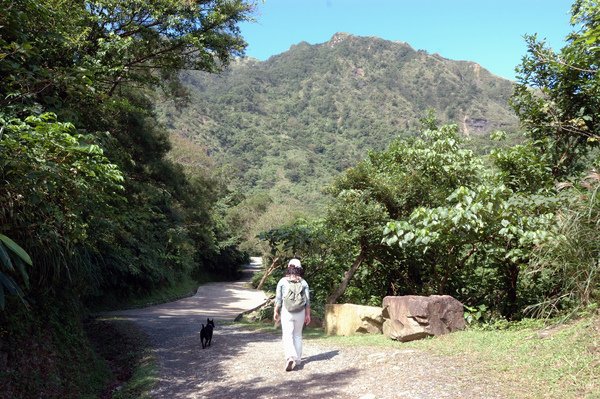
321 357
316 385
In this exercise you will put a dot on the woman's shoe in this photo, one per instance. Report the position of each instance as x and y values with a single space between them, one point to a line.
290 364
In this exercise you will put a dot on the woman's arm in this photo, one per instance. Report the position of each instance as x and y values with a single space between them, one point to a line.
307 307
278 300
307 315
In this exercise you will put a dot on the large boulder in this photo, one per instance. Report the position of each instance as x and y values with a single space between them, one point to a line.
349 319
412 317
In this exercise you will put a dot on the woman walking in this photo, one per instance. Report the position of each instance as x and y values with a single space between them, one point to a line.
292 307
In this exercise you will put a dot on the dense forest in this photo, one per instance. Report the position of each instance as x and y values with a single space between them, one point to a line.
123 172
92 211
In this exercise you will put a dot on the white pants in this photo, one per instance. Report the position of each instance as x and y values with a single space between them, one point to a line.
291 330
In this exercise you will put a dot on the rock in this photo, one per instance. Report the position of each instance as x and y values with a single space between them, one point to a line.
478 125
349 319
395 329
412 317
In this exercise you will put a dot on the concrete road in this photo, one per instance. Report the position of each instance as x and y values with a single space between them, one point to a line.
223 301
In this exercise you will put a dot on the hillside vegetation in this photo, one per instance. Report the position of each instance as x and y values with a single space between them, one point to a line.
284 127
511 234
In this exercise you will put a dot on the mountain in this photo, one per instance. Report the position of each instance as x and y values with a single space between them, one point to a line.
287 125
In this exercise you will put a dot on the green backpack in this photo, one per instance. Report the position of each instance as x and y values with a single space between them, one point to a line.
295 297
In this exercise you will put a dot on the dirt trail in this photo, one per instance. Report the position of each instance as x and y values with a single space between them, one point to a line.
247 364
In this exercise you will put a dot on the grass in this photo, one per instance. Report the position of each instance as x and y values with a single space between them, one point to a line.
181 289
141 382
558 362
126 350
177 291
561 361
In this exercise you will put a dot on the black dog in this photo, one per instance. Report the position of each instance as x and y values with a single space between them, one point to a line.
206 333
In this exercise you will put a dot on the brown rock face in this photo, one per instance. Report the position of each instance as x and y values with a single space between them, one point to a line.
412 317
349 319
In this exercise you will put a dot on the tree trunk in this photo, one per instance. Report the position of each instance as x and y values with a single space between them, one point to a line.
512 278
268 272
347 277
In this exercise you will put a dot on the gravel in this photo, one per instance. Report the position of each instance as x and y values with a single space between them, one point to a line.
242 363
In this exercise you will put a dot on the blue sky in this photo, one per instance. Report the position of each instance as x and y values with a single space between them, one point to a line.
489 32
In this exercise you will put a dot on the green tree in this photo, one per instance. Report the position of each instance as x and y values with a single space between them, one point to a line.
557 101
523 168
390 185
57 184
557 98
414 172
51 51
357 220
286 242
449 225
88 62
476 245
85 186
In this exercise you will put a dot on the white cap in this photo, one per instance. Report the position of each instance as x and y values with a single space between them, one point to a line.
295 262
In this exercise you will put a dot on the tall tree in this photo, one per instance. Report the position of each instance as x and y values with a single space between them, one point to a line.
53 50
558 102
390 185
557 98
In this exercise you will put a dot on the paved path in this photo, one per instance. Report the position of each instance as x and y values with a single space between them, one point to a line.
223 301
173 328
